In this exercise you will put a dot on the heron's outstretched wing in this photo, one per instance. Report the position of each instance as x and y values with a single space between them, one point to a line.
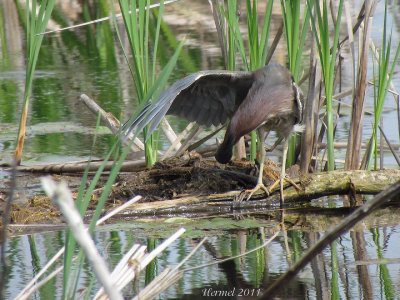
206 97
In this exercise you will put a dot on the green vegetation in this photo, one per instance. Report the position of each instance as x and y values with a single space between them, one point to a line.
35 24
144 62
295 38
381 85
327 51
244 39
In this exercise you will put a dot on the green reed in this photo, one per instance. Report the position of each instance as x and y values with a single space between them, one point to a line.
327 55
143 59
35 24
381 84
295 38
295 33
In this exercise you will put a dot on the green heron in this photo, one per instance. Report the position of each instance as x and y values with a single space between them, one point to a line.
267 100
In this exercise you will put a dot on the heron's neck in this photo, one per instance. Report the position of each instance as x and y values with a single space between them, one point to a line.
224 152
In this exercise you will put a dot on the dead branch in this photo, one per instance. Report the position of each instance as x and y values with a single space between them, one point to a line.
135 164
109 120
80 166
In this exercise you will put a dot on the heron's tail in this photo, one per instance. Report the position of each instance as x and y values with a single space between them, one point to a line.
224 152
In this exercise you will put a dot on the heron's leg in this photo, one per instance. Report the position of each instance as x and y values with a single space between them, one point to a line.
260 184
283 170
282 177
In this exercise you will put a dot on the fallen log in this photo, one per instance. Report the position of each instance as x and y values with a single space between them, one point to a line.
312 186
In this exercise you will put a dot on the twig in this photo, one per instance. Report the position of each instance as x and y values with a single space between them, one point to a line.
204 139
135 261
396 157
331 235
197 130
80 166
178 140
110 121
158 284
190 254
218 25
160 248
118 210
126 269
275 43
34 285
100 20
360 19
170 133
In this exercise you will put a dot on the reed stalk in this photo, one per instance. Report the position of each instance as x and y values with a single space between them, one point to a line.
295 33
327 53
356 125
143 59
295 38
36 23
381 86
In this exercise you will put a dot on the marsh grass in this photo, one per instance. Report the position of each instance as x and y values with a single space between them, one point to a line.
381 86
295 38
35 23
72 268
148 85
327 51
295 32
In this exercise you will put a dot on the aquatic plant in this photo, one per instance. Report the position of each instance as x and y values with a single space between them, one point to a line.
36 23
144 61
381 85
327 51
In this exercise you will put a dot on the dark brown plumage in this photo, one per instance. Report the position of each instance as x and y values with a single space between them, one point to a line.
267 100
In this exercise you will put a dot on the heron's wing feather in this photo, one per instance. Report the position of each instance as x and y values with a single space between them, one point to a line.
206 97
154 112
212 97
130 125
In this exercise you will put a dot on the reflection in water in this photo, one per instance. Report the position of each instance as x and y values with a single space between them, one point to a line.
359 275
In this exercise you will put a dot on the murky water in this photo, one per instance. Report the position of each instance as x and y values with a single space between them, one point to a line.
353 266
